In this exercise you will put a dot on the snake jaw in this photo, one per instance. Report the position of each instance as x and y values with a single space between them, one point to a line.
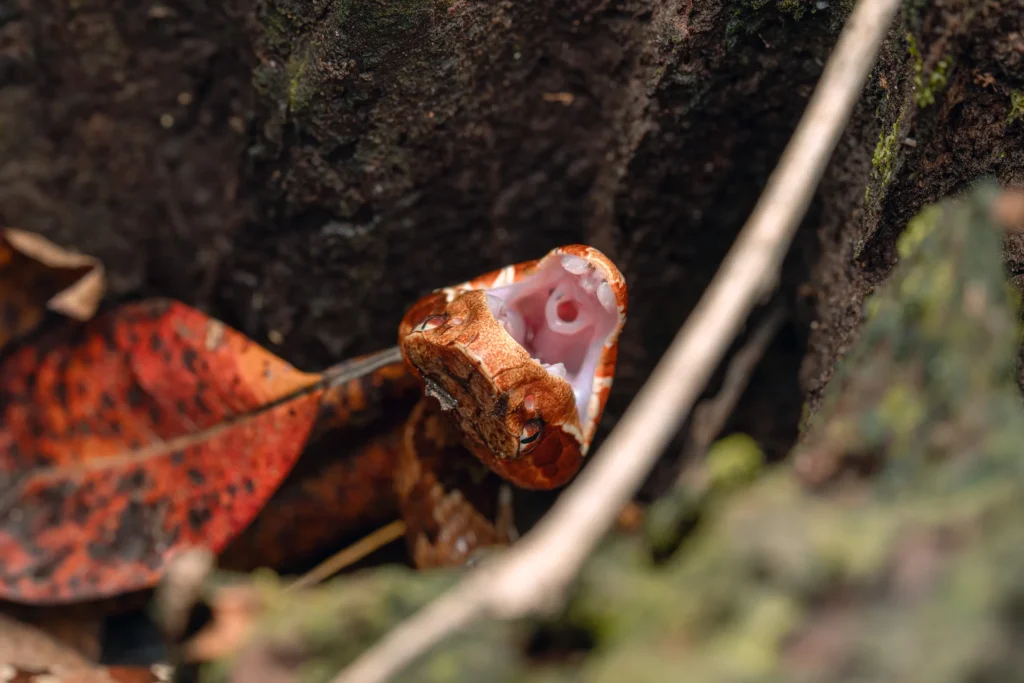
435 390
523 357
567 310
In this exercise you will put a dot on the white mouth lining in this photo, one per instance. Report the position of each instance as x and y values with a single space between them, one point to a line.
562 315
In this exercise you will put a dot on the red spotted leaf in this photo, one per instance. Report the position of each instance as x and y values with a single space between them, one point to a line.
123 441
343 483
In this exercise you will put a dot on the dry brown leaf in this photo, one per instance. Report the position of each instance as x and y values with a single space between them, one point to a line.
28 655
36 275
233 608
236 609
29 647
76 629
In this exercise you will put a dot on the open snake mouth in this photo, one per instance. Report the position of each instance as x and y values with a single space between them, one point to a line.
562 315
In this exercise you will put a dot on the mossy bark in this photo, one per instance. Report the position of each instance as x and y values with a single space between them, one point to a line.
304 169
936 118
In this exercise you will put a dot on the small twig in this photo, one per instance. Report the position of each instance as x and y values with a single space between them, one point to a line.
346 556
533 575
180 589
361 366
710 415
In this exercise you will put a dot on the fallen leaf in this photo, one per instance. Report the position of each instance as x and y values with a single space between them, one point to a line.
27 646
128 439
343 483
234 610
77 630
338 487
28 655
36 275
231 605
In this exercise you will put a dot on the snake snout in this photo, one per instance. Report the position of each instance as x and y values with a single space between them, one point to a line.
523 357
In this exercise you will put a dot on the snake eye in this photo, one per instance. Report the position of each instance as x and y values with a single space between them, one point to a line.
431 322
531 435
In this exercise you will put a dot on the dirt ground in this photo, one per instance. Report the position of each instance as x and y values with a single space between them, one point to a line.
303 170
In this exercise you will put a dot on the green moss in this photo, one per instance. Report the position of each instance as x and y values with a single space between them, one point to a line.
734 461
1015 296
752 647
884 158
301 89
749 16
901 411
1016 106
794 8
668 515
883 166
332 624
805 418
903 372
927 85
918 229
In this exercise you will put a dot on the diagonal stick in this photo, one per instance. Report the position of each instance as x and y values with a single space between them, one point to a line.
533 576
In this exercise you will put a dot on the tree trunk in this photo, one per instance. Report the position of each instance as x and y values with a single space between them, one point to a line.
304 170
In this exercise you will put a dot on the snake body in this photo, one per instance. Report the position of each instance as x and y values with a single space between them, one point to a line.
502 385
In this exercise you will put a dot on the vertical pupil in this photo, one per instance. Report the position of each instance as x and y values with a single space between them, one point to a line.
432 321
531 431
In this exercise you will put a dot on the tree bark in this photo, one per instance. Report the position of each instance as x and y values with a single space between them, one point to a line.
305 169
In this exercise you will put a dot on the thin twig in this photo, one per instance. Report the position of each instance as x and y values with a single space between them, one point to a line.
532 577
350 554
711 414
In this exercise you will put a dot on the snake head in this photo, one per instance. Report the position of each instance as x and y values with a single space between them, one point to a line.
523 358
